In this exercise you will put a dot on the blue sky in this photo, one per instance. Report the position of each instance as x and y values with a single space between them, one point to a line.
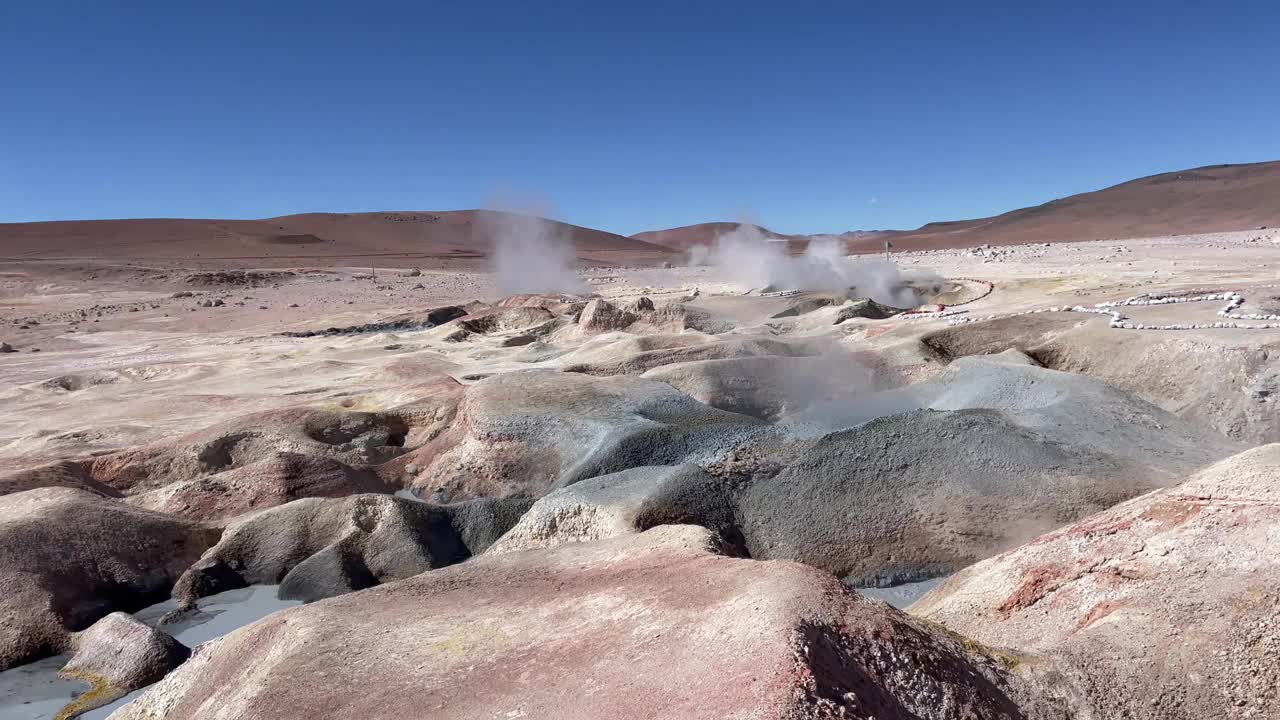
807 117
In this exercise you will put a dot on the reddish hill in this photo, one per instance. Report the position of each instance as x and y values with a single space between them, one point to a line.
1208 199
1215 198
314 239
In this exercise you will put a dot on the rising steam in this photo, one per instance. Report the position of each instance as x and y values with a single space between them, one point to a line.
746 256
530 254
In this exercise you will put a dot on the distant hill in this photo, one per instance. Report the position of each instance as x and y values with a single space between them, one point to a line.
1208 199
683 238
449 238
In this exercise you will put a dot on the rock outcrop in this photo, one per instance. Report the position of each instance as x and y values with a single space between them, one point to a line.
1167 606
69 557
316 548
602 316
643 626
116 656
631 357
623 503
1009 452
527 432
272 481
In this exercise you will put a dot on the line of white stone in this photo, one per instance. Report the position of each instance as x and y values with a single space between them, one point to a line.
1121 322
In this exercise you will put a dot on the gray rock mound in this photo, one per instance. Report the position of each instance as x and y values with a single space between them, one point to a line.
525 433
1001 453
622 503
864 308
316 548
769 387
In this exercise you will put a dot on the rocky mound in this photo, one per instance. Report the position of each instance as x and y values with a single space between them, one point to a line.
316 548
67 473
623 359
1163 607
276 480
69 557
527 432
768 387
924 493
622 503
116 656
1216 380
1009 452
589 631
416 321
351 437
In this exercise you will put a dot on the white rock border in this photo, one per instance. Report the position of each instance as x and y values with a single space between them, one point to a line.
1120 322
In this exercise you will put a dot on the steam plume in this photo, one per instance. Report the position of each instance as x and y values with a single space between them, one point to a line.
530 254
747 257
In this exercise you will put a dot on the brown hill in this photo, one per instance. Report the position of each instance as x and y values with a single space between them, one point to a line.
1216 198
1208 199
452 238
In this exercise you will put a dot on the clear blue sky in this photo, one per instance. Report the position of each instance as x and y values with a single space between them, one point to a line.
808 117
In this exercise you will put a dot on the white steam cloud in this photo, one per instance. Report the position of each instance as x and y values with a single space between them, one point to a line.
530 254
747 257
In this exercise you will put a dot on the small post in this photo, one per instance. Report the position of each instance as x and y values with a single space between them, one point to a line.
887 245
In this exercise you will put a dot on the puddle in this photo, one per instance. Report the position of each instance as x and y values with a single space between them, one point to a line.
900 596
35 692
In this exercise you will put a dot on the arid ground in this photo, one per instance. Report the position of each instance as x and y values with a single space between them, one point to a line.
669 482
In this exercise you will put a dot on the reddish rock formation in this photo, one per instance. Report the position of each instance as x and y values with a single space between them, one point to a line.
1162 607
645 626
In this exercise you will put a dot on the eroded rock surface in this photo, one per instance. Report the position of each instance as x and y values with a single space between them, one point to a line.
648 625
69 557
622 503
315 548
118 655
1162 607
525 433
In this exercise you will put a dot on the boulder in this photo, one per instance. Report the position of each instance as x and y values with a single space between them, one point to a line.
116 656
602 316
621 503
642 626
69 557
1164 607
315 548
